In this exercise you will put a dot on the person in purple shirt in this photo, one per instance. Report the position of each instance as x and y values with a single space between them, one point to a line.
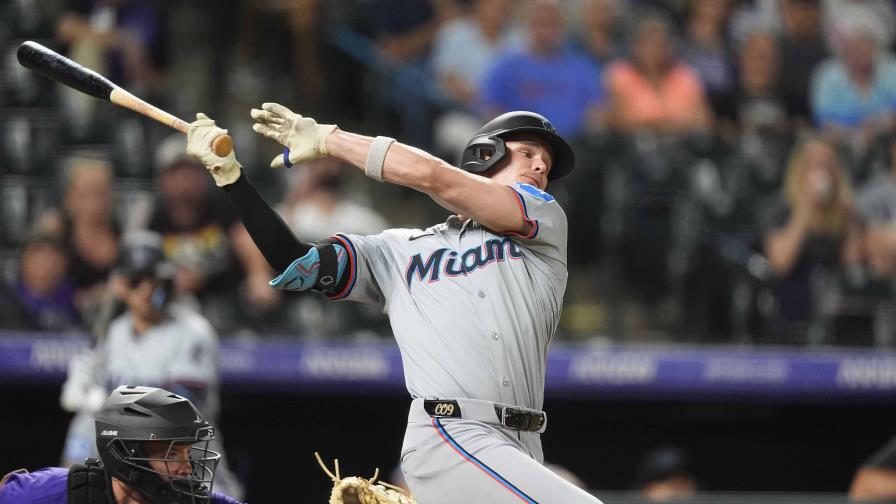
153 448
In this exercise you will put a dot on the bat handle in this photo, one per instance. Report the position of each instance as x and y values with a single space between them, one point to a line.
222 145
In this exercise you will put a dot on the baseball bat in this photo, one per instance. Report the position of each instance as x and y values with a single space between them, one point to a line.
57 67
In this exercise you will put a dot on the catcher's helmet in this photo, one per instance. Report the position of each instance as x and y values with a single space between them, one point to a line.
486 148
132 417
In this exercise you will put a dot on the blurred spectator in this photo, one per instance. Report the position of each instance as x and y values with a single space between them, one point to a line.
664 474
465 47
758 104
203 236
810 232
403 31
705 48
600 34
547 77
42 297
316 207
566 474
802 49
854 94
463 51
875 480
836 10
121 39
876 205
304 19
86 226
154 343
651 89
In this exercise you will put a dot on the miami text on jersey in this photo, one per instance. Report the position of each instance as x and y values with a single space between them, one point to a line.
458 263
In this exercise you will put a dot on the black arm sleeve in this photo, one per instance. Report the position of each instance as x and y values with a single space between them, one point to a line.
271 235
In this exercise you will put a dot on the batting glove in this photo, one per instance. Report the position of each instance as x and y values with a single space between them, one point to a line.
200 135
303 138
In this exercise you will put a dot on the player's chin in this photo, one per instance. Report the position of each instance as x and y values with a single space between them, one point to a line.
531 181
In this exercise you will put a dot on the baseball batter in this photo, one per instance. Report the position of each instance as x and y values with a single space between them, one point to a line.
473 302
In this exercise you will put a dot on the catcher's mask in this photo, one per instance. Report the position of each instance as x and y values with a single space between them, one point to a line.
487 147
140 435
142 257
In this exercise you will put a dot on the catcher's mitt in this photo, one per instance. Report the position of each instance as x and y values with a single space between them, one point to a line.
357 490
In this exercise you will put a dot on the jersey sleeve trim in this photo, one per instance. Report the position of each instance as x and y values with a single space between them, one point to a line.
533 232
352 267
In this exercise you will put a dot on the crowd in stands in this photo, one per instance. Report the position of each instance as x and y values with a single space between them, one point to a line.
736 175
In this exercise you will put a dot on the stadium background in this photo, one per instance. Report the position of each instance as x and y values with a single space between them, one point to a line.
668 267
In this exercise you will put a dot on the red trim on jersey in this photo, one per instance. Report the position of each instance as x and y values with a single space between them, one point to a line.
352 267
478 463
525 214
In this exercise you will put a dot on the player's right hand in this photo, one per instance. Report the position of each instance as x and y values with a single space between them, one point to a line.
303 137
200 135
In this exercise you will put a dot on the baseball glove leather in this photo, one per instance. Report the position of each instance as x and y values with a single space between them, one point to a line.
357 490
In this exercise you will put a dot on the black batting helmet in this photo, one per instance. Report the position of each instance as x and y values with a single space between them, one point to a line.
142 256
132 417
486 148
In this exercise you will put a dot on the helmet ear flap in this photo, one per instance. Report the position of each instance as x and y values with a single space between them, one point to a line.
482 153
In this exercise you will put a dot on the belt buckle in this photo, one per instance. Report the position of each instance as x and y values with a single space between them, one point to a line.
513 418
504 416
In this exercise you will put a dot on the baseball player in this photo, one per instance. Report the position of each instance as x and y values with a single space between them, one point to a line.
153 447
153 343
473 301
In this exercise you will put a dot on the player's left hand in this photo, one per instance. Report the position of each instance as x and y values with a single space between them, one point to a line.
200 135
303 137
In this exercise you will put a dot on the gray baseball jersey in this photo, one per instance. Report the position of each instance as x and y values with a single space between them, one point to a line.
473 312
180 351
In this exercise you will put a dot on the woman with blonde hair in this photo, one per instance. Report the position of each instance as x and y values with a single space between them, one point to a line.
85 224
811 230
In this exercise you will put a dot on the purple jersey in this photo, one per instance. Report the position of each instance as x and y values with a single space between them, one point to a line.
48 486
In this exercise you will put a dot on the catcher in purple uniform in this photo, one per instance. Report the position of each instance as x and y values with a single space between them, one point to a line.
153 448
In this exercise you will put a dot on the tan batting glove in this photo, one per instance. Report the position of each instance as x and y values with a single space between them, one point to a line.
200 135
303 138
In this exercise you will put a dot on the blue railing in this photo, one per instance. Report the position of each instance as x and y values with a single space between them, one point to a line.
573 370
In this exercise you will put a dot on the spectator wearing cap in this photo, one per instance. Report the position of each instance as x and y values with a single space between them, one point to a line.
665 474
854 93
202 235
875 480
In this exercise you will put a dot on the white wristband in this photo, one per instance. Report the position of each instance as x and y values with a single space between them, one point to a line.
377 156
